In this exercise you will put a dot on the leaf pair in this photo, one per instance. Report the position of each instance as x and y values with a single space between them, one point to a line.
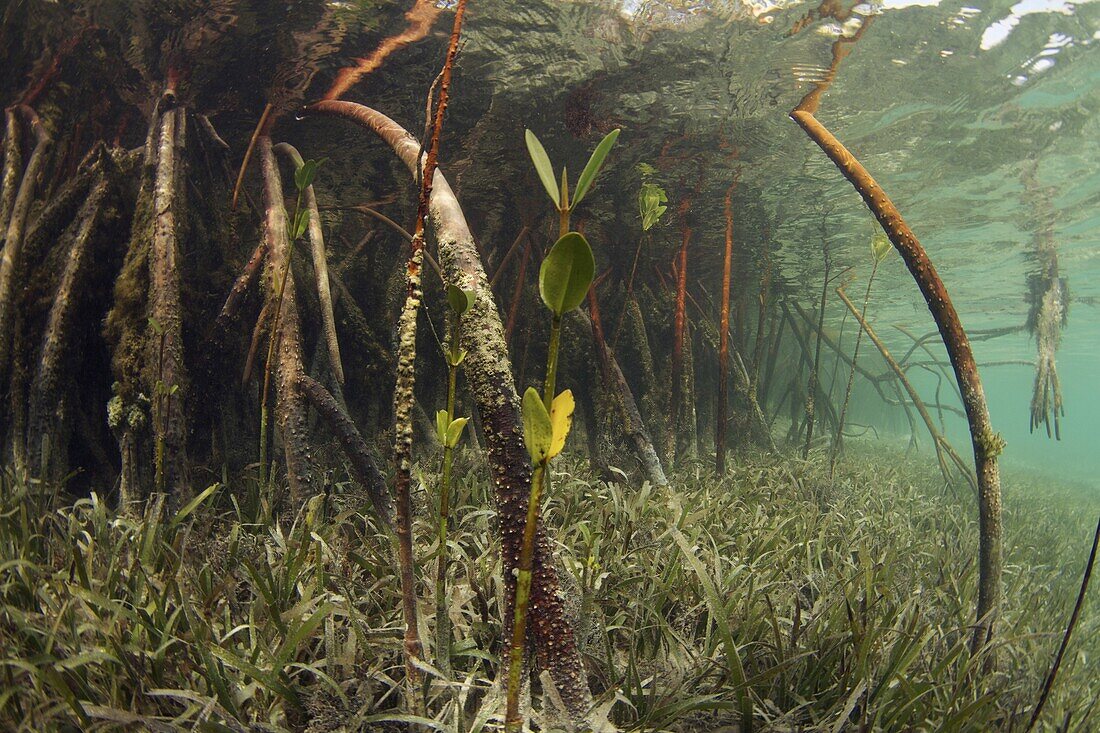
545 169
544 432
566 273
305 173
460 300
449 433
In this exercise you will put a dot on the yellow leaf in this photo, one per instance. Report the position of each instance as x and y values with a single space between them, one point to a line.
561 418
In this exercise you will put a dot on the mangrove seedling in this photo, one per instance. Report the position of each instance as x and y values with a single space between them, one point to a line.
564 279
880 250
449 429
560 194
651 199
303 179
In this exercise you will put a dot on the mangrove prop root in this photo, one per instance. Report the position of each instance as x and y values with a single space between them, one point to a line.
489 375
1049 683
13 166
258 330
320 267
363 467
56 364
165 340
633 427
125 330
742 380
986 443
934 360
812 390
17 222
938 441
240 287
802 338
261 129
289 407
509 254
723 345
404 397
208 127
517 291
679 330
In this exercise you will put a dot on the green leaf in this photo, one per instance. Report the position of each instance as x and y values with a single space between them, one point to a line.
460 300
566 273
441 425
155 325
543 166
194 504
651 200
592 168
456 359
305 173
538 433
301 223
454 431
880 247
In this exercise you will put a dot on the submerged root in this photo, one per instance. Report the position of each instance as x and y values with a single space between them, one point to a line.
1046 400
55 366
289 406
11 259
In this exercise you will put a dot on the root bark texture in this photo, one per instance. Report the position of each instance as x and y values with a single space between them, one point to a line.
168 377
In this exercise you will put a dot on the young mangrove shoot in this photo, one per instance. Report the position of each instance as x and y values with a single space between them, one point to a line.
880 250
449 430
564 279
560 194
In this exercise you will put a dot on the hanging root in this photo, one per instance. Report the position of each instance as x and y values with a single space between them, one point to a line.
363 467
320 266
1046 400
